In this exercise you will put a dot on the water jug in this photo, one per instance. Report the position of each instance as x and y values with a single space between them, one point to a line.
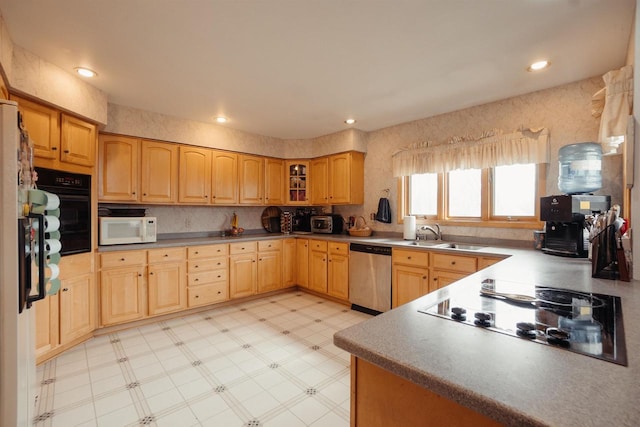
580 168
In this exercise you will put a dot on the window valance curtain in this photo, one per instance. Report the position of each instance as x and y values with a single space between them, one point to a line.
485 151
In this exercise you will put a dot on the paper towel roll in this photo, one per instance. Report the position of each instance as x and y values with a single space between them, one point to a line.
51 224
409 228
53 201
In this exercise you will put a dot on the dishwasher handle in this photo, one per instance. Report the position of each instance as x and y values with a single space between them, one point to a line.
370 249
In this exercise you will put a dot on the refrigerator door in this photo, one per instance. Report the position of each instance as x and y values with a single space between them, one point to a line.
17 353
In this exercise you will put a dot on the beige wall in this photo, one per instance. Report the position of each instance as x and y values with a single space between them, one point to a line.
564 110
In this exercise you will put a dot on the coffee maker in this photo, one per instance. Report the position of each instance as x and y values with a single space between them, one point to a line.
566 225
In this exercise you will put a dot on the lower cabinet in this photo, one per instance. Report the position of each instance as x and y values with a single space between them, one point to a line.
289 263
269 265
208 274
409 275
448 268
302 262
68 316
338 273
243 269
318 277
123 287
167 280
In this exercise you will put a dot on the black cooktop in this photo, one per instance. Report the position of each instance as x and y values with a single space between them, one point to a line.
581 322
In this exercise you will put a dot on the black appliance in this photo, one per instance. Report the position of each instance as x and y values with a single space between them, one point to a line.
581 322
302 220
565 222
74 191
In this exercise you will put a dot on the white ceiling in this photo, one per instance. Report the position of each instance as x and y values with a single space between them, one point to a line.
295 69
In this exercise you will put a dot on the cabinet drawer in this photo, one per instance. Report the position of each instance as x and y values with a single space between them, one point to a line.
269 245
318 245
206 277
207 294
207 264
338 248
408 257
75 265
242 247
465 264
119 259
167 255
208 251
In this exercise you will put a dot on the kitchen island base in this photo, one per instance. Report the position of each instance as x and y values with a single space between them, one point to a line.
382 399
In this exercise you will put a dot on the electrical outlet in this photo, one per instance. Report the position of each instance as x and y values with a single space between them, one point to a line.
187 223
372 216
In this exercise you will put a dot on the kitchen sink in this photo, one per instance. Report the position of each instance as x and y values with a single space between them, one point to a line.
446 245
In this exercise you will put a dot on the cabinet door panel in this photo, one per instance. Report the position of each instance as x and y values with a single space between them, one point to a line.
195 175
118 168
224 188
302 263
318 271
159 172
339 178
409 283
289 262
167 288
269 271
122 295
78 141
242 275
274 182
319 181
76 307
43 125
338 280
47 330
251 180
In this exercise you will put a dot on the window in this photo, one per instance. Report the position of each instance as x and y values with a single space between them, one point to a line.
500 196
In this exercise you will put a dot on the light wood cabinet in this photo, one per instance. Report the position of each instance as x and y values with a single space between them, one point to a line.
274 181
123 287
208 274
224 187
484 262
158 172
346 178
47 337
338 270
43 125
167 280
297 183
410 275
118 168
269 265
447 268
58 137
289 262
77 297
194 175
319 177
78 141
302 262
243 269
251 179
318 262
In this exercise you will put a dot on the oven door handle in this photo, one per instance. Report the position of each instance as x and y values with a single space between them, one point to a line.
41 265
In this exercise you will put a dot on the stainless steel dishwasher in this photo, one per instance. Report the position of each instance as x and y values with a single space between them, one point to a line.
370 278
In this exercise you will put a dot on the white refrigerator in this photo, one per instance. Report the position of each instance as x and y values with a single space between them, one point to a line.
17 330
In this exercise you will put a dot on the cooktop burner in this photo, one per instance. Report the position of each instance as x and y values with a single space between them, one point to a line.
581 322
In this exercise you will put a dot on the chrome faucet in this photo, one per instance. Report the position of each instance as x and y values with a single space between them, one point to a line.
436 232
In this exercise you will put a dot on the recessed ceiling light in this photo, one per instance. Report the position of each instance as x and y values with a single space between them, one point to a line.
539 65
221 119
350 121
85 72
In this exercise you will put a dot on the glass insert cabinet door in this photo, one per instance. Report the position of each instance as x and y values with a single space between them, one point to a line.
298 183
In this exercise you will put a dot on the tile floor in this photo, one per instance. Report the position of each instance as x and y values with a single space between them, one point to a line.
267 362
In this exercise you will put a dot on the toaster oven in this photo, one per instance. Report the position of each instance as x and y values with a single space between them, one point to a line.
327 224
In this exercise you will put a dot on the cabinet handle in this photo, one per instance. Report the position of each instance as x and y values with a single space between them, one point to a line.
54 148
133 192
424 277
196 280
453 263
66 151
144 194
197 253
65 289
206 197
197 296
166 255
253 260
408 257
139 274
219 292
260 259
195 266
151 273
122 259
219 276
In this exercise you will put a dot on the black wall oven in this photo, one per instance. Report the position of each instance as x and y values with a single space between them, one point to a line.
74 191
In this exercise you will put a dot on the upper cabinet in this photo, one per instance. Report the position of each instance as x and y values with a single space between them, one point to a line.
296 182
133 170
195 175
43 125
118 168
273 182
251 179
58 137
159 172
224 187
78 141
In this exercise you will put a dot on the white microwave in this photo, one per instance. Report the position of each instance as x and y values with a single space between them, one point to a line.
125 230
